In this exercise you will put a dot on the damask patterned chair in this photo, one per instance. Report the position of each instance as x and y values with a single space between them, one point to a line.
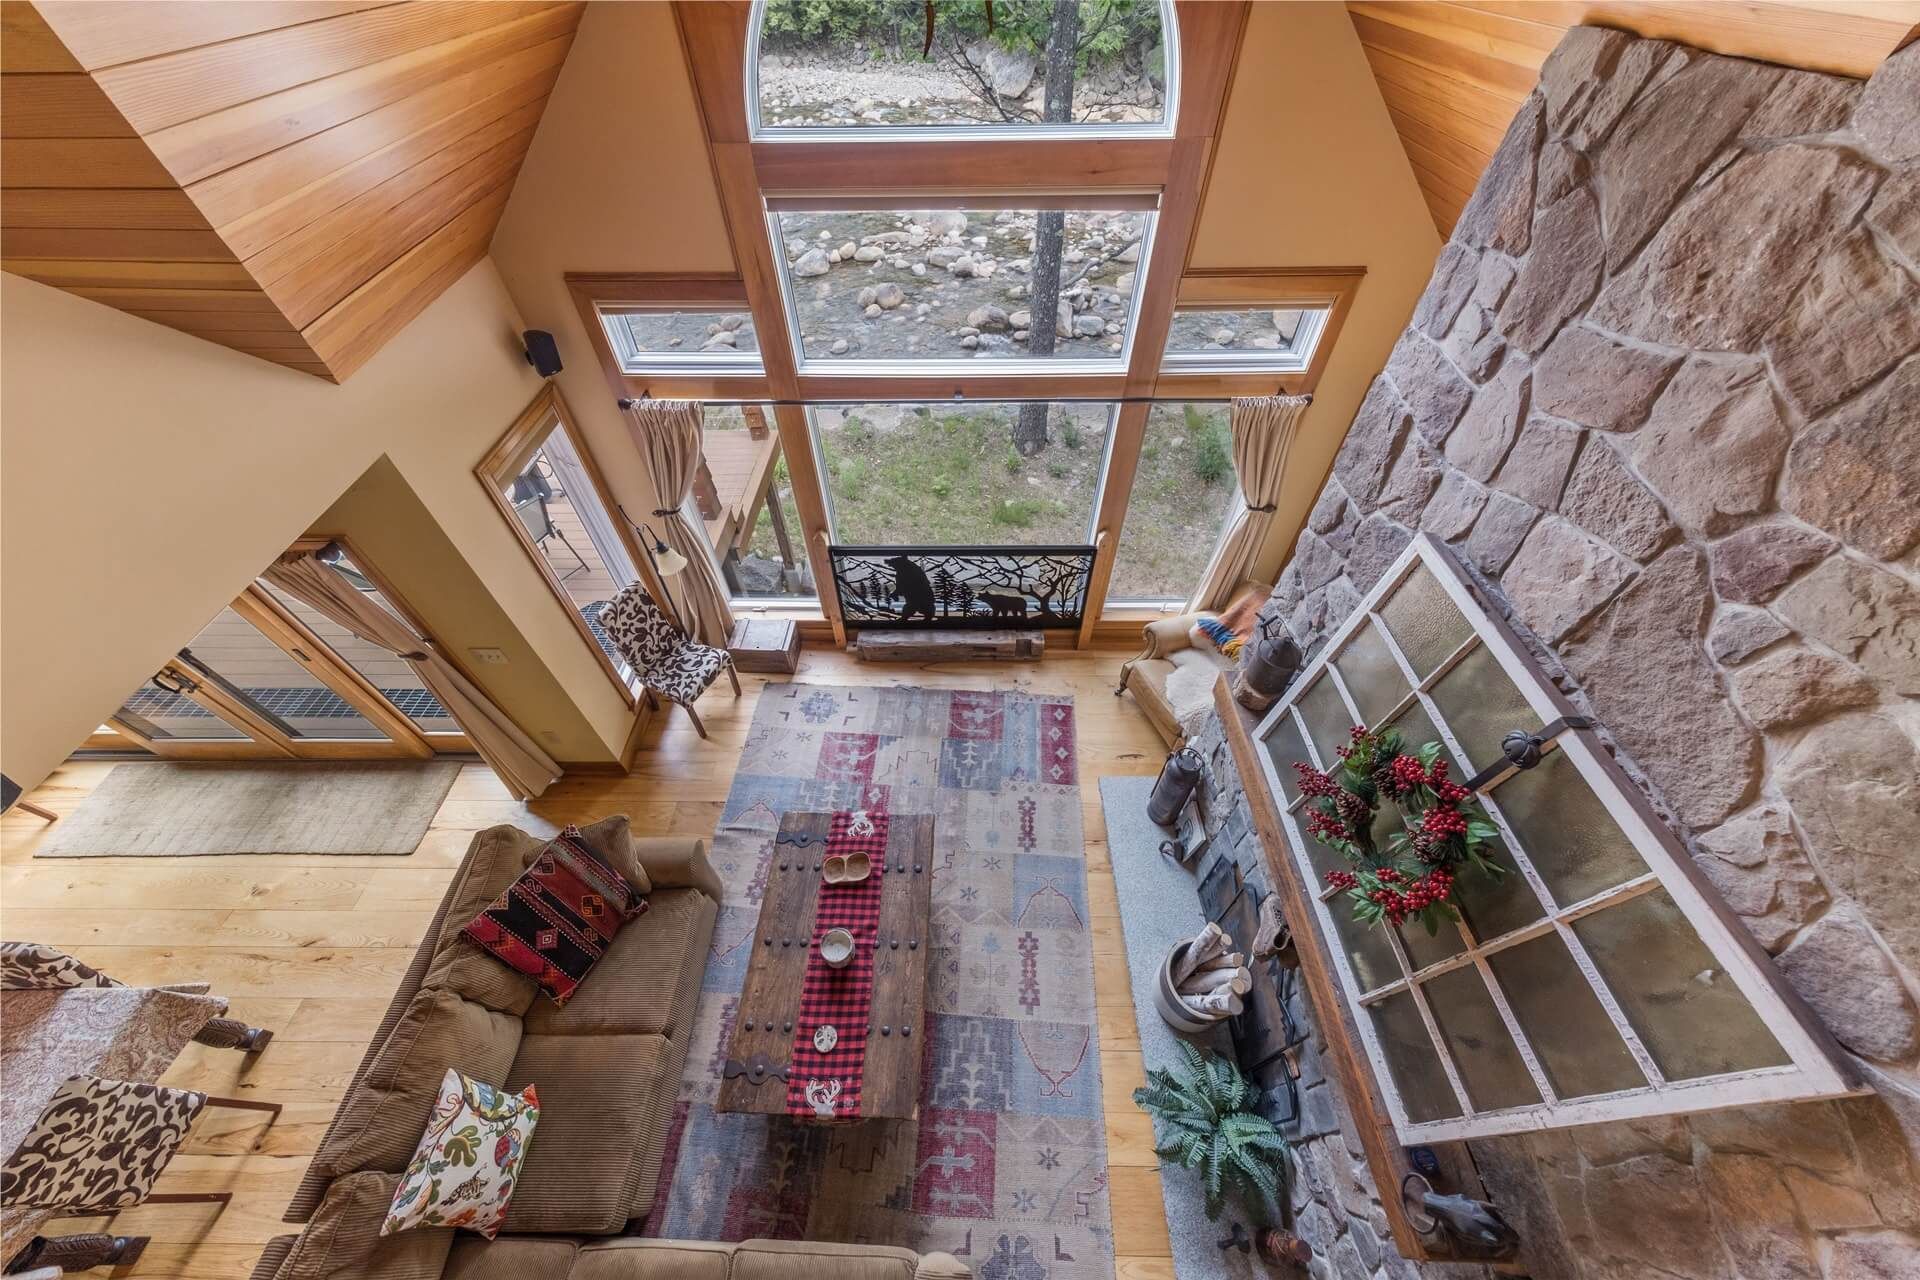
667 662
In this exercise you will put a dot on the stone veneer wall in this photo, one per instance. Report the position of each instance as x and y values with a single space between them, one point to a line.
1661 397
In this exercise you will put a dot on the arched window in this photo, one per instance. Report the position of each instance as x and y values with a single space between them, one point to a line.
871 68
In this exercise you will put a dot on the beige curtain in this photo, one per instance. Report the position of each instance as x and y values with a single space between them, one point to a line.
521 764
1263 431
668 433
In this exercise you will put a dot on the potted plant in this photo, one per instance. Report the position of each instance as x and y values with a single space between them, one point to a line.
1203 1120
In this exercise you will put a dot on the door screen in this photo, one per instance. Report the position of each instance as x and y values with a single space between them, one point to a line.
1596 978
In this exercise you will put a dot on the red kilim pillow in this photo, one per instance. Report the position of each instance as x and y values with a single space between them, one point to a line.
555 921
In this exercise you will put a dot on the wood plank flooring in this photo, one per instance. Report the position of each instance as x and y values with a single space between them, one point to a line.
314 946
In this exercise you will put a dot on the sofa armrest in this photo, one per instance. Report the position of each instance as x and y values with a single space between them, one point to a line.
273 1257
678 862
941 1266
1163 636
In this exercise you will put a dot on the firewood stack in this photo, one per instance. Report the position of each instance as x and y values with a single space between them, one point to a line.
1211 977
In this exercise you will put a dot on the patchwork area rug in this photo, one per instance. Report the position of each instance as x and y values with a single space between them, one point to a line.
1006 1164
160 810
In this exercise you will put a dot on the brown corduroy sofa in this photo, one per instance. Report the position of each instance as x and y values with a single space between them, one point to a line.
607 1065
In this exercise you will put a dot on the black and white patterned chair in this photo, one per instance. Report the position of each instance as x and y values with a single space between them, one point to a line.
667 662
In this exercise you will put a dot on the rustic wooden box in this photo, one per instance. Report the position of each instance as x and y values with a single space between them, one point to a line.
765 645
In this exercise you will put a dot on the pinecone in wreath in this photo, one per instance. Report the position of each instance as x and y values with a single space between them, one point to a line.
1429 848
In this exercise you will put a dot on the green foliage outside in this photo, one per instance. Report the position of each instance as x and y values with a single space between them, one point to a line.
1212 443
894 28
1203 1118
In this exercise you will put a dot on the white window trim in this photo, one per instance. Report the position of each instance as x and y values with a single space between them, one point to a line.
634 362
1318 315
761 132
963 366
1817 1068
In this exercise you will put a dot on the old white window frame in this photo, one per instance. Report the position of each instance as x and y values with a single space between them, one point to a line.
1817 1068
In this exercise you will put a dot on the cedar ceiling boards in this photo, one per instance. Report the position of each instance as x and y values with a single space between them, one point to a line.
1453 74
295 179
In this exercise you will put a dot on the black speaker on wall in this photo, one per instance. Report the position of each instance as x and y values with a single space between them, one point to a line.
542 352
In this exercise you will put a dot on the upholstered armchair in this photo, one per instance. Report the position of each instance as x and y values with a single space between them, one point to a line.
668 663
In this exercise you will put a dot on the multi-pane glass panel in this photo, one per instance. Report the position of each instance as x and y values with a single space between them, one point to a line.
391 674
261 672
875 68
407 692
888 288
1573 978
965 474
1269 339
554 499
1183 494
663 339
744 496
160 713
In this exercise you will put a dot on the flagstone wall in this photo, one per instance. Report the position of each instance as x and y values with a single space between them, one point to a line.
1662 399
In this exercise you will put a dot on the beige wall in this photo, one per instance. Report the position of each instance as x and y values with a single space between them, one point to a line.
617 179
1309 173
146 476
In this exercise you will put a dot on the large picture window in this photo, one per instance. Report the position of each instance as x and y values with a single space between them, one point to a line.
1183 493
873 70
883 290
549 490
962 474
1594 979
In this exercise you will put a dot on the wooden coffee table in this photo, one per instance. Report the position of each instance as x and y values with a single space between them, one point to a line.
762 1045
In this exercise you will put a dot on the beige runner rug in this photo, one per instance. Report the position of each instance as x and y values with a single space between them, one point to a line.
165 810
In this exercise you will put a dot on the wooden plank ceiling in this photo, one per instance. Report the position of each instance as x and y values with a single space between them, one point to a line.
1454 74
295 179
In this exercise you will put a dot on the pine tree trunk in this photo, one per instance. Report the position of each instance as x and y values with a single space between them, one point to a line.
1063 32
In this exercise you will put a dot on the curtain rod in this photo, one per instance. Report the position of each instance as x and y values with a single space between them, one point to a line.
627 402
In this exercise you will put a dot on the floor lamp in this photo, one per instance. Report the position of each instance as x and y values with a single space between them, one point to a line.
667 563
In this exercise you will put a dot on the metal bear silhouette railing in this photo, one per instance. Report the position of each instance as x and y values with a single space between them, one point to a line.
962 588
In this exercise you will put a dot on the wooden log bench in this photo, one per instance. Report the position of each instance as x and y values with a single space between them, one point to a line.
948 646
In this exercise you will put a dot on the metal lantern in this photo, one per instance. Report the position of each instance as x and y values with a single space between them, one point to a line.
1174 787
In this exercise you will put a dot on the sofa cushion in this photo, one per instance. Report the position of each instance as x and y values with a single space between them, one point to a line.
556 920
649 979
343 1240
380 1123
605 1104
611 840
632 1258
508 1258
494 861
806 1260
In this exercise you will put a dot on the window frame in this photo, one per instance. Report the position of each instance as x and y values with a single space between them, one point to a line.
546 413
1164 128
1816 1069
949 368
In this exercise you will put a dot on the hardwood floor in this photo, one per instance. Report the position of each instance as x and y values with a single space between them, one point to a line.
314 946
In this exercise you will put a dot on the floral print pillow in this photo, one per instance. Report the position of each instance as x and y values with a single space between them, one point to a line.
463 1172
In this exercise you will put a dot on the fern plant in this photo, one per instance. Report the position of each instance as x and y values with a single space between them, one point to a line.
1203 1120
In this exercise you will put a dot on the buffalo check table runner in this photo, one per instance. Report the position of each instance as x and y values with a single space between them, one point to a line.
827 1084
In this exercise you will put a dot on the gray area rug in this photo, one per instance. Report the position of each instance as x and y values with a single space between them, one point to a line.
1160 905
167 810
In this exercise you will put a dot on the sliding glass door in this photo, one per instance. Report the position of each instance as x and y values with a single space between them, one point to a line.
261 682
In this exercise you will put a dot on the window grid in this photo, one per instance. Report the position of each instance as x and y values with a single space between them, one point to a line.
1810 1073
